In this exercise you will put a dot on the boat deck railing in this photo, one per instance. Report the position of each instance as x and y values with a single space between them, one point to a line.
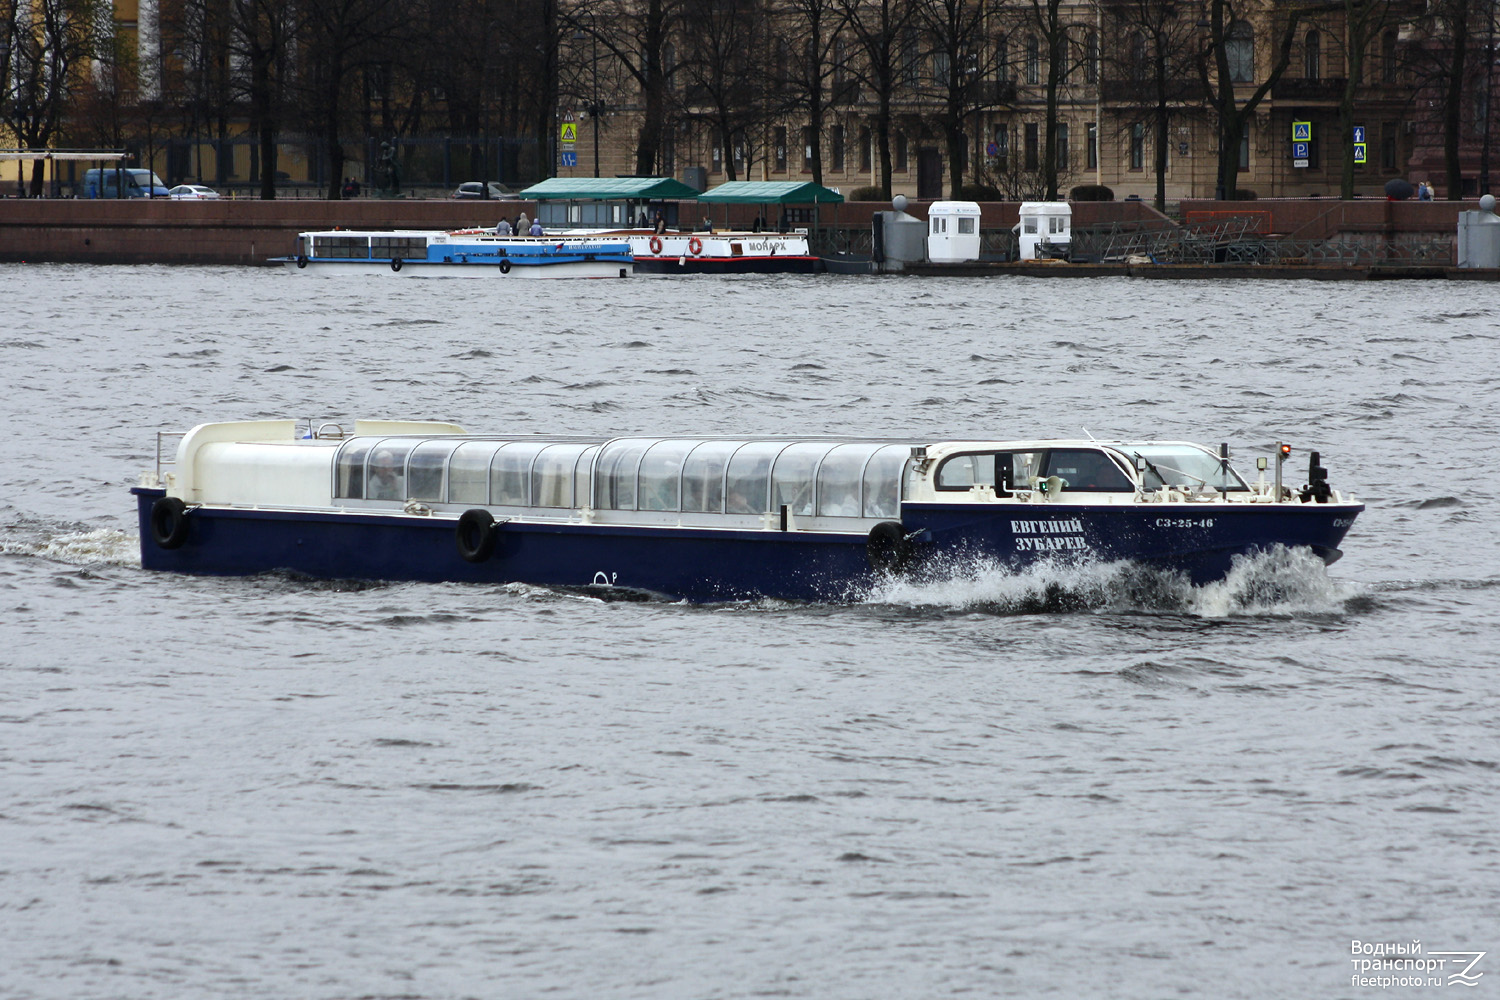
167 457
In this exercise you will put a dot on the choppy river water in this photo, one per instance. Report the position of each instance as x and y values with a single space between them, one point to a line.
275 788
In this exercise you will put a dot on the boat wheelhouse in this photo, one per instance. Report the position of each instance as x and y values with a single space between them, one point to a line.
701 518
465 253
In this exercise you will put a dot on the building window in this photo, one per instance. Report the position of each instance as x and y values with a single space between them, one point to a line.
807 149
1091 58
780 138
901 157
716 154
1388 146
836 156
1031 146
1239 49
941 69
1033 60
1137 146
1388 57
1312 56
864 149
1002 58
1091 137
1245 148
911 58
1062 147
1002 147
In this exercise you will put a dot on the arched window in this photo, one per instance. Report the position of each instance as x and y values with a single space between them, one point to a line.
1033 60
1239 50
1312 56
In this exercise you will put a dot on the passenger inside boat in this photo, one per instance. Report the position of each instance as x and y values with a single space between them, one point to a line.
385 476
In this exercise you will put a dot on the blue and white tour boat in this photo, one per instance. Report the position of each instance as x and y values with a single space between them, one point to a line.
464 253
705 519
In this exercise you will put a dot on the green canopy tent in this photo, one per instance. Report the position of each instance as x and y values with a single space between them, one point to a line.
601 201
772 193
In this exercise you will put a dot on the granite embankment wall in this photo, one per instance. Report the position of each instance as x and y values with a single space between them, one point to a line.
249 232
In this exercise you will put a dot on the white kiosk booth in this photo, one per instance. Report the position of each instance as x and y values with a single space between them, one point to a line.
953 232
1048 222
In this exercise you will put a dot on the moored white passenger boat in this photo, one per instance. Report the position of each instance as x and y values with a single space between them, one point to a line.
721 252
702 518
465 253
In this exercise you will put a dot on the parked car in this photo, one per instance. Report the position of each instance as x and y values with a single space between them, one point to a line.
193 192
139 183
475 189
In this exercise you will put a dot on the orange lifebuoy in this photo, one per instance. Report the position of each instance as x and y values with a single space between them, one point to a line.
695 245
656 244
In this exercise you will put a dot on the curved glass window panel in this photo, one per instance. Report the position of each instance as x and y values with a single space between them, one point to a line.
350 479
425 469
469 472
618 460
840 478
1184 465
661 469
582 495
552 475
387 470
747 490
703 475
510 473
963 471
1086 471
883 480
792 478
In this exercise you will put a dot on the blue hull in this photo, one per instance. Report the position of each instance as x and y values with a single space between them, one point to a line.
723 564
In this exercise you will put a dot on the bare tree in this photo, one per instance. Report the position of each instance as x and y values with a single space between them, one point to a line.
880 25
1151 55
803 72
1365 22
964 71
1226 63
638 33
724 74
44 45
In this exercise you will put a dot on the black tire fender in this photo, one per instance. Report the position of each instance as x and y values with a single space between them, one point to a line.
888 548
396 264
475 535
169 522
505 267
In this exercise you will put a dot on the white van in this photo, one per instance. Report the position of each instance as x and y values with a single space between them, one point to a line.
139 183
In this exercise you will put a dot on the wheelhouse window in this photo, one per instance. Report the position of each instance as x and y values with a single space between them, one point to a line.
1086 471
1184 465
1000 470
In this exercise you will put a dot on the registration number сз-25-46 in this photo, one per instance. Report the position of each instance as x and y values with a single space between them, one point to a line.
1184 522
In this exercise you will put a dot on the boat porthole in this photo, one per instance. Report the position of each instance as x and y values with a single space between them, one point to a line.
695 245
301 262
169 522
475 535
887 548
505 267
396 264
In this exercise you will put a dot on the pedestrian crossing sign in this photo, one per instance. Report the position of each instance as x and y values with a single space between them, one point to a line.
1302 131
569 132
